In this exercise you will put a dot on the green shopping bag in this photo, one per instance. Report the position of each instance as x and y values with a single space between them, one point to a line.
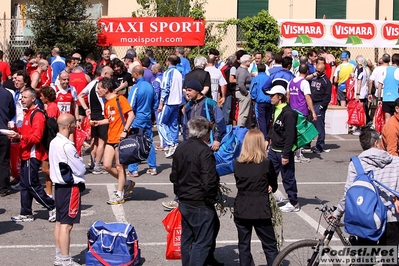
305 131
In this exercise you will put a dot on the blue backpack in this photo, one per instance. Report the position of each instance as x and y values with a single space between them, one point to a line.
365 213
112 244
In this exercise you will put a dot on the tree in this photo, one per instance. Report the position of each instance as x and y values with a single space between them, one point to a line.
64 24
180 8
261 32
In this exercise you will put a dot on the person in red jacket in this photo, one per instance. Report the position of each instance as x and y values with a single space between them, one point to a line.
32 154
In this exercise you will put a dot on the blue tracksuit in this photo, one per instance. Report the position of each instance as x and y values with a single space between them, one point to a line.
263 107
143 101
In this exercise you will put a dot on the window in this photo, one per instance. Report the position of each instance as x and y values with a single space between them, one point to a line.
331 9
395 10
249 8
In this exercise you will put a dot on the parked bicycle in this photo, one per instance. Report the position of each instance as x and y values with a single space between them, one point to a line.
306 251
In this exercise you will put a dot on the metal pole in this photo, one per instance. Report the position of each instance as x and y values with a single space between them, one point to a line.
377 17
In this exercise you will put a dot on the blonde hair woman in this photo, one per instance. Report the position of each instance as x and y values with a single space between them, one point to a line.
255 179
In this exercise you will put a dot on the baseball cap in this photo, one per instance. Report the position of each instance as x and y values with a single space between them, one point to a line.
295 53
194 85
277 89
344 55
129 56
245 58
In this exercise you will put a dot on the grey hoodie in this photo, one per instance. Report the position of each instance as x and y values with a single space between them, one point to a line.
386 170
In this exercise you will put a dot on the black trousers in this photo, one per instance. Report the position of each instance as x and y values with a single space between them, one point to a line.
4 162
265 232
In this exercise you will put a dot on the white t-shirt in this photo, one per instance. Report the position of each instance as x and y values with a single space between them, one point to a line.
305 86
217 80
377 76
362 75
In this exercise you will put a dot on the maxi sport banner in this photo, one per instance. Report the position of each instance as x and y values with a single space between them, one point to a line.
154 31
339 33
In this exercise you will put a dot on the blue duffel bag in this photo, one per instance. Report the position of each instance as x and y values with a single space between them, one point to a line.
112 244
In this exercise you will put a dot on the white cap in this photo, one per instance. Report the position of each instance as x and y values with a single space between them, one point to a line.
277 89
245 58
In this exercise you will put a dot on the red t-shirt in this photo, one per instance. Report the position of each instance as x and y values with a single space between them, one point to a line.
79 81
328 70
52 110
5 70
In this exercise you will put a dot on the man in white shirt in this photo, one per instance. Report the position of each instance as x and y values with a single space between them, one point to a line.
217 80
67 173
378 74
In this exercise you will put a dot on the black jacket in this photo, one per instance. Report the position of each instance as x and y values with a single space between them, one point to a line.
252 181
320 88
194 177
283 132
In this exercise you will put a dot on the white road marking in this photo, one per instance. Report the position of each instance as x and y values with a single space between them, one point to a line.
230 184
340 138
118 210
223 242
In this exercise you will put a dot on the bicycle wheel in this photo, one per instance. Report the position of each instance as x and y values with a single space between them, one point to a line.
299 253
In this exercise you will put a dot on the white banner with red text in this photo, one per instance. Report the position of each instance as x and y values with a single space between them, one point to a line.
339 33
156 31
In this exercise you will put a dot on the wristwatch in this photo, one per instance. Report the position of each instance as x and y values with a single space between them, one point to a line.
125 130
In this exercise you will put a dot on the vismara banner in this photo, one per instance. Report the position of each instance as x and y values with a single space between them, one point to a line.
339 33
157 31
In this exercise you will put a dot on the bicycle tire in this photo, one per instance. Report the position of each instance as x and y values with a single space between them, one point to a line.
299 253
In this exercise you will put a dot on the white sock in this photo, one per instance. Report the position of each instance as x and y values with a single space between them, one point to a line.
119 193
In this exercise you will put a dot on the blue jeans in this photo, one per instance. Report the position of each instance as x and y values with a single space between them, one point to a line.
198 225
263 112
320 126
226 109
168 124
151 160
287 174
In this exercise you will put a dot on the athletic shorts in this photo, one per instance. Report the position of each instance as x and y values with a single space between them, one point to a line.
100 132
341 96
113 145
67 203
82 111
388 107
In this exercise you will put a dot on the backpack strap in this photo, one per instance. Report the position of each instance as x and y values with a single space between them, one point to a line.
120 110
395 193
358 166
33 114
208 116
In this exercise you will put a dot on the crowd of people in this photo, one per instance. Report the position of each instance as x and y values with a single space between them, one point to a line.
123 94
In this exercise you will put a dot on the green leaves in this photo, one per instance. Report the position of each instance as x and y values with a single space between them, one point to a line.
354 40
260 32
64 24
303 39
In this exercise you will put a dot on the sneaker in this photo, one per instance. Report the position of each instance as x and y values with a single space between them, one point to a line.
116 200
98 171
134 174
170 204
6 192
22 218
159 148
15 187
279 199
356 133
152 171
171 151
305 150
317 150
69 262
51 215
14 181
290 208
301 159
127 188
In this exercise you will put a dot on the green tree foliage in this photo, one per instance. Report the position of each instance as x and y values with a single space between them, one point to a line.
182 8
261 32
63 24
335 51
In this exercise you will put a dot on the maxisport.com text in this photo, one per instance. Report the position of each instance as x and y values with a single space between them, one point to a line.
147 40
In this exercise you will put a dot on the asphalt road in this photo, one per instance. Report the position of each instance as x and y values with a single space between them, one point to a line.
32 243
